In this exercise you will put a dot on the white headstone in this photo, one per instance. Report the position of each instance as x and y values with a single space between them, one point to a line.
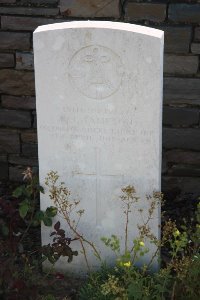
99 112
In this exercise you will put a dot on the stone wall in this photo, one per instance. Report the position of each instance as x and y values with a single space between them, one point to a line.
181 133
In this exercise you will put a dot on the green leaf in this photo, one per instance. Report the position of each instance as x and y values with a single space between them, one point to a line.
47 221
51 211
39 216
23 209
19 191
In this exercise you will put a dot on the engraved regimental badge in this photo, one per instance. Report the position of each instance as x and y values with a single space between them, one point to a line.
96 72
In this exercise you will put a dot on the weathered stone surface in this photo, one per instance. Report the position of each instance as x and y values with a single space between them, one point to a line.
3 170
185 184
183 12
29 137
25 23
184 170
186 157
180 116
197 34
90 8
9 142
39 2
16 173
3 157
177 39
17 82
24 61
31 11
195 48
180 64
34 120
15 118
18 102
6 60
103 131
181 138
23 161
14 40
182 102
181 88
146 11
30 150
7 1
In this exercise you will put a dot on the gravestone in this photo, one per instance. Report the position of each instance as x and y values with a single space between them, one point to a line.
99 113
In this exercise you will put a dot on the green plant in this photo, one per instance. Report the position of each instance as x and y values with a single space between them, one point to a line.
178 279
60 195
20 218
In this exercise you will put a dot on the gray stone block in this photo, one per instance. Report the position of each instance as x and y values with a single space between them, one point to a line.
177 38
24 61
7 60
181 88
195 48
90 8
183 12
197 34
15 40
187 139
30 11
17 82
180 64
154 12
3 170
25 23
180 116
23 161
30 150
15 118
17 102
9 142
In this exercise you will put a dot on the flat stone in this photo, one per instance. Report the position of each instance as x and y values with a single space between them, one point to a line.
25 23
34 120
14 102
7 1
23 161
15 40
183 12
185 184
3 170
175 116
180 64
29 137
90 8
146 11
180 156
30 149
6 60
17 82
3 157
9 142
31 11
197 34
15 118
195 48
181 88
99 103
185 138
177 38
24 61
16 173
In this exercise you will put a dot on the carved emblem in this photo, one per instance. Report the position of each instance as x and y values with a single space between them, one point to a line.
96 72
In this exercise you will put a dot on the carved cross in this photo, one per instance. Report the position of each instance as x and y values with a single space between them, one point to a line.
98 175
